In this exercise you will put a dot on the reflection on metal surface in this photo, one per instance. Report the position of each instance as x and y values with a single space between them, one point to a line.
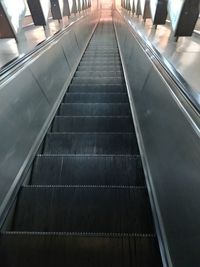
15 11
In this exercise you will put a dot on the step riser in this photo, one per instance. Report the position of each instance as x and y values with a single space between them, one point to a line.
94 110
98 74
101 61
102 53
97 89
95 98
101 58
100 68
21 250
88 124
96 210
105 144
113 80
88 170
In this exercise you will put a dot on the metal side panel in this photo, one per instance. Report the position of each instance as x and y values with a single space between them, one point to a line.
29 98
172 148
23 111
135 57
122 33
168 129
51 70
70 48
81 34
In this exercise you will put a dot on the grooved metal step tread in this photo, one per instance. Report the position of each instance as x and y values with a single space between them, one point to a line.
91 143
95 109
96 98
97 89
101 58
101 64
61 250
106 80
93 124
83 209
98 74
101 61
102 54
100 68
110 48
88 170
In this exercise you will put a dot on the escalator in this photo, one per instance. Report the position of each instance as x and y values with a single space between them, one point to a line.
86 203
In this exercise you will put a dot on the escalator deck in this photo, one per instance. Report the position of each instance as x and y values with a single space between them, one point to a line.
86 203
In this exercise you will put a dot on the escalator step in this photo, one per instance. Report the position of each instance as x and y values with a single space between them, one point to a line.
88 170
106 52
83 209
61 250
100 64
101 55
98 74
101 58
96 98
96 49
92 124
95 109
100 68
101 61
97 89
105 80
91 143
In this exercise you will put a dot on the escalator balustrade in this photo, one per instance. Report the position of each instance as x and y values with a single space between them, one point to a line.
87 202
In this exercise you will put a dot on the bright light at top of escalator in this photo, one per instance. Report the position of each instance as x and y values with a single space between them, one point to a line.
15 11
